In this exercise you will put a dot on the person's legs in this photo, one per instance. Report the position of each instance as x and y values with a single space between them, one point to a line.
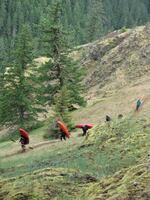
137 107
84 131
23 141
23 147
63 136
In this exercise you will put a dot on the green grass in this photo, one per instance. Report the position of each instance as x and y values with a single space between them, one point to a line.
108 155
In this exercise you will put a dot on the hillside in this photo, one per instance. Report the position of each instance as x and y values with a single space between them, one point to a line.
118 73
112 162
119 59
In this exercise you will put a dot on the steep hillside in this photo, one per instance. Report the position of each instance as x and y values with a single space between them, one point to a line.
118 73
119 59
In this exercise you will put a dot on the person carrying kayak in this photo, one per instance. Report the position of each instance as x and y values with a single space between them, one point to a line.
138 104
24 140
84 127
63 130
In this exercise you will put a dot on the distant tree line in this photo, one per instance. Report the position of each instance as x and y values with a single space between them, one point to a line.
86 19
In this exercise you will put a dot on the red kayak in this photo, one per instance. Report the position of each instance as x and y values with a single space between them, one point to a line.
82 125
63 127
24 133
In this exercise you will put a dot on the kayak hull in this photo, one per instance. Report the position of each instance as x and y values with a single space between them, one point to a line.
82 125
63 127
24 133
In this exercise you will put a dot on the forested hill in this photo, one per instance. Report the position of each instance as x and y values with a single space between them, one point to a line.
87 19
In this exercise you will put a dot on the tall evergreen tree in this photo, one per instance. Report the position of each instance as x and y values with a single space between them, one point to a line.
61 108
61 70
19 104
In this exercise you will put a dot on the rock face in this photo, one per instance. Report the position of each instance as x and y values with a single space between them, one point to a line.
121 58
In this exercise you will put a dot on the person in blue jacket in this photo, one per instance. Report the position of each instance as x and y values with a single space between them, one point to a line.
138 104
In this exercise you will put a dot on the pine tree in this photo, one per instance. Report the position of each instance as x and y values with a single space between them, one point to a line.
61 70
62 106
19 104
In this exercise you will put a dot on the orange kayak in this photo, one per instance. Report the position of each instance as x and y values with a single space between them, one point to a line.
63 127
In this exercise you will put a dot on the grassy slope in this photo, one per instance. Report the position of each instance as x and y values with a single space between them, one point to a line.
123 145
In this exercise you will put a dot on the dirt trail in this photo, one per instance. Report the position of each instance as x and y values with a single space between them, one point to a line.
30 148
73 140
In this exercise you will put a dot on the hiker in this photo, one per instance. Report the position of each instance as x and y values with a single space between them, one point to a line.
138 104
24 140
108 118
63 135
63 130
85 129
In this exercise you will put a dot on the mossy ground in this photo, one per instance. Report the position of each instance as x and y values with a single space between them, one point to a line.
45 184
131 183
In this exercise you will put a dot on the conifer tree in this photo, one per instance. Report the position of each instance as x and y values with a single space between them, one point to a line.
62 106
61 70
19 104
